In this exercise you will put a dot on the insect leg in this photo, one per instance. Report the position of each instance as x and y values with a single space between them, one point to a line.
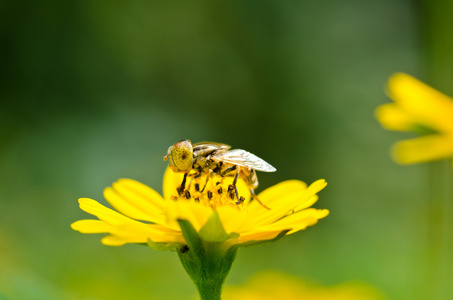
233 185
193 177
228 170
255 197
183 185
207 179
235 180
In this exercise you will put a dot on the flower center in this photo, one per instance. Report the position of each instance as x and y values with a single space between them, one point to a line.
213 190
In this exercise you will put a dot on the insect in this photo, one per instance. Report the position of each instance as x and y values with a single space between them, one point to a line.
184 249
208 158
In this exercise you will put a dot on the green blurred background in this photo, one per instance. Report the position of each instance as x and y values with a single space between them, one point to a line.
93 91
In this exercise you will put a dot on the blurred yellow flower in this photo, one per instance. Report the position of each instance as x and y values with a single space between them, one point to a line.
143 216
422 109
272 285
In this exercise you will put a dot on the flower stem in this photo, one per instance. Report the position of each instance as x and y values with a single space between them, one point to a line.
439 241
209 289
210 272
207 263
436 24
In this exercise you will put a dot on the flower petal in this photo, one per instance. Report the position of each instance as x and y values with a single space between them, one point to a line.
286 201
392 117
307 203
298 221
134 205
423 149
127 229
196 213
234 219
139 233
103 213
171 181
114 240
143 190
429 106
270 194
257 236
91 226
213 217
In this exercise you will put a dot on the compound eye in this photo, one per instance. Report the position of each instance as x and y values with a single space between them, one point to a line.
182 156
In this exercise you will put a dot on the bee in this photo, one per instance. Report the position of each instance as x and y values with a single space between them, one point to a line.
208 158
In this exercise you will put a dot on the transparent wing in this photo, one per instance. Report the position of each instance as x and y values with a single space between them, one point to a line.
211 145
245 159
205 148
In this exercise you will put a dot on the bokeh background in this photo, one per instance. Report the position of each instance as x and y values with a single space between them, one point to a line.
93 91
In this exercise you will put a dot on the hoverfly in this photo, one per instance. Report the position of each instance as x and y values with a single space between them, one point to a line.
208 158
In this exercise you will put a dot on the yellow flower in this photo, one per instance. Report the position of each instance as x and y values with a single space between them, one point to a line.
272 285
422 109
145 217
206 222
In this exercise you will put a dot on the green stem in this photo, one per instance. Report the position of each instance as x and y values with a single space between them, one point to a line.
209 289
208 273
439 251
207 263
437 40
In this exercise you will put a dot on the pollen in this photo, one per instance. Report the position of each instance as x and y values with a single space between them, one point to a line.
217 191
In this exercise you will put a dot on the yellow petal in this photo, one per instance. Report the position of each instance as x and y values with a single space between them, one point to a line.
143 190
289 186
429 106
134 205
392 117
90 226
114 240
257 236
423 149
271 197
137 232
235 220
171 181
250 221
286 200
103 213
131 230
298 221
307 203
196 213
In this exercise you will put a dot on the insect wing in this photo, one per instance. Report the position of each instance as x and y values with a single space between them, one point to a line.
205 148
245 159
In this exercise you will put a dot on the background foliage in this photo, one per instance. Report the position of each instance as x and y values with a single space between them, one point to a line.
96 91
